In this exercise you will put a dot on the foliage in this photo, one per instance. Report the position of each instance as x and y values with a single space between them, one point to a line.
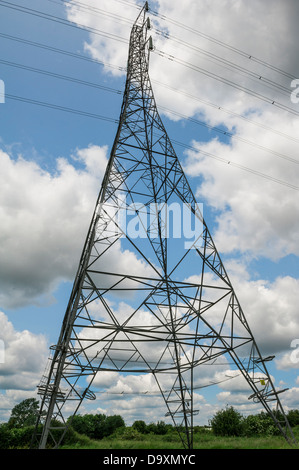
112 423
293 417
228 422
171 440
259 425
24 414
132 434
159 428
15 437
140 426
228 430
96 426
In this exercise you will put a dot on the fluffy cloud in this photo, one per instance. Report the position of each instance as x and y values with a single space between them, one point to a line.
110 42
22 353
269 307
22 363
44 219
257 215
236 176
210 36
45 216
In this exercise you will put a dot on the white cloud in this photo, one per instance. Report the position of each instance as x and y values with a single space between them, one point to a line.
291 398
113 24
190 26
231 23
24 360
23 351
44 219
269 307
45 222
257 216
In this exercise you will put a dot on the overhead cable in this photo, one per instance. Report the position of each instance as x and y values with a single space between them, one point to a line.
228 82
62 21
61 77
115 121
123 69
228 63
223 44
61 108
61 51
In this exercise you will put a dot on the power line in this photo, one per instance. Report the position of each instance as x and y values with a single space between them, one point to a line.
224 62
94 115
230 134
225 45
228 111
219 59
228 82
234 49
121 19
112 36
163 54
157 392
62 21
61 77
61 108
112 90
115 121
237 165
122 2
181 92
95 10
60 51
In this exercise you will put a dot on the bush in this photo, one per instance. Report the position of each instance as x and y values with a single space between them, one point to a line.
5 436
131 434
140 426
159 428
111 424
15 438
227 422
293 417
261 424
96 426
24 414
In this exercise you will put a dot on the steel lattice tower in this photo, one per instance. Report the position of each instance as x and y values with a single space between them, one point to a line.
153 320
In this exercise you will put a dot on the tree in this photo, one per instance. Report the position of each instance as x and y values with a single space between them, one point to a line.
90 425
96 426
261 424
112 423
293 417
140 426
24 414
227 422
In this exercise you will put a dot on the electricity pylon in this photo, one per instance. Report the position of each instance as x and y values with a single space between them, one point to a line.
147 298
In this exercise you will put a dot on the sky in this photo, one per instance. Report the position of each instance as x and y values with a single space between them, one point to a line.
224 77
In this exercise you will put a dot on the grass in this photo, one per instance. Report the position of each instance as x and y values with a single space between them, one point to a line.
202 440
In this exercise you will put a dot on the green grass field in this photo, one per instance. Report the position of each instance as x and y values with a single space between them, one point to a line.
202 440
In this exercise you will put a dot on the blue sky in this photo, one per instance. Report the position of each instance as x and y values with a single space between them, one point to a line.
52 162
